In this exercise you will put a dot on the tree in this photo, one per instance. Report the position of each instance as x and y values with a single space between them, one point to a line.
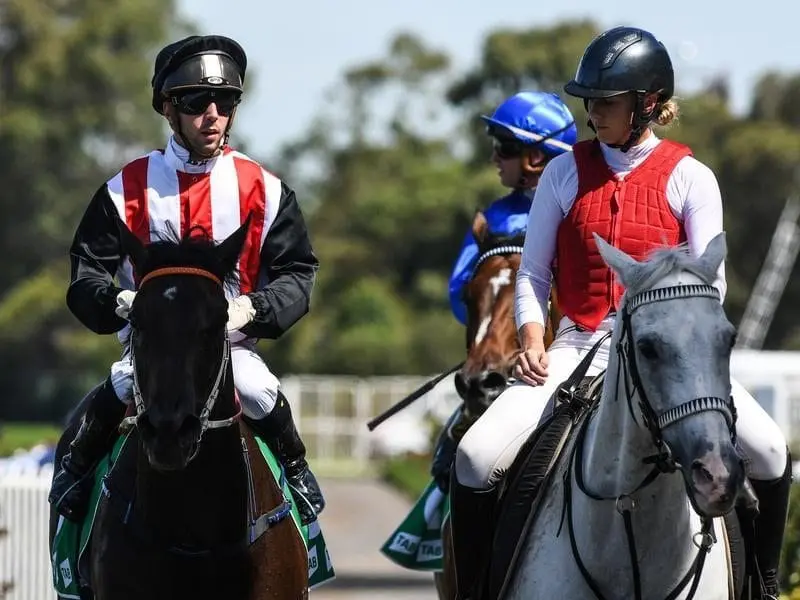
389 176
512 60
395 190
74 93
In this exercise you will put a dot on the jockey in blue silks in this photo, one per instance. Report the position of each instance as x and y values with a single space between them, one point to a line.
528 129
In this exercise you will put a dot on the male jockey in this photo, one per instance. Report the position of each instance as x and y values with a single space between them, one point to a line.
528 130
196 180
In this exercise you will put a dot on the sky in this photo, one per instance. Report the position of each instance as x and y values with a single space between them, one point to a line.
300 48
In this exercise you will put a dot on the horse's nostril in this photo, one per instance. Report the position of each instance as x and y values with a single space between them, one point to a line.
701 472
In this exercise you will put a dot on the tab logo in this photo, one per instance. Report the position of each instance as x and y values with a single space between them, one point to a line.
405 543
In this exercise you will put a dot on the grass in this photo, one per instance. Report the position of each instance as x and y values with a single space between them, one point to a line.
409 474
14 436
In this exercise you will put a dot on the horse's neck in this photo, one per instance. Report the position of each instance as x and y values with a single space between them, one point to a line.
615 444
206 502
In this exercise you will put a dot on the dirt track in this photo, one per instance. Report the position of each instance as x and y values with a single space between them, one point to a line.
359 516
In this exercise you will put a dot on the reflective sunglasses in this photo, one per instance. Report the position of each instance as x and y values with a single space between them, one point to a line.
196 103
506 149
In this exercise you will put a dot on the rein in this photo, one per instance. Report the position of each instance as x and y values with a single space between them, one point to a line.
663 461
206 422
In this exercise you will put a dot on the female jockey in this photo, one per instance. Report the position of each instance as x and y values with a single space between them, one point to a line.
528 130
626 80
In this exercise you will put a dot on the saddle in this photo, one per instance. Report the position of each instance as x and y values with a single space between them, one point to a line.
521 489
529 475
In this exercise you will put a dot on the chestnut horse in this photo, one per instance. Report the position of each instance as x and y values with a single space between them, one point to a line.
492 344
189 508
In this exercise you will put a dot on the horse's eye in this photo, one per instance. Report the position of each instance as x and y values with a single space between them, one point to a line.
648 349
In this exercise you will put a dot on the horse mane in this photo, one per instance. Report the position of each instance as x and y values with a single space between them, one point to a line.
662 262
196 248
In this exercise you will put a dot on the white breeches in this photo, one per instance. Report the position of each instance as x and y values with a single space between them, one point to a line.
489 447
255 383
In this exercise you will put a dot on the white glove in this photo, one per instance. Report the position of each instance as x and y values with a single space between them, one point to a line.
240 312
124 303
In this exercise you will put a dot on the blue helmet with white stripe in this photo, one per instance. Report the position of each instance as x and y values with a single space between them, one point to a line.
538 119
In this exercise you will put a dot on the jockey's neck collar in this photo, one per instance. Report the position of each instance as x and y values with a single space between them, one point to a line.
624 161
180 158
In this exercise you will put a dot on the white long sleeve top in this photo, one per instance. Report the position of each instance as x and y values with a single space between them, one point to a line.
692 192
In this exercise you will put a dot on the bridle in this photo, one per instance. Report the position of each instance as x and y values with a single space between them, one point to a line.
205 422
655 422
513 247
503 248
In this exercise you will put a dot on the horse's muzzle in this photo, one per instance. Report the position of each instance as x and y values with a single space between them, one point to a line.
715 481
479 390
169 448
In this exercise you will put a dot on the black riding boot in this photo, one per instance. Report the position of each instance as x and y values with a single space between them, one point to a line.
773 507
472 525
277 429
72 484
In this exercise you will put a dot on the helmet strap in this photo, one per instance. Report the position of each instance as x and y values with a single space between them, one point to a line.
197 157
639 122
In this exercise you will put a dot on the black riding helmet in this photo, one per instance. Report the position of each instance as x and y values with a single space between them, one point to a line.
622 60
212 62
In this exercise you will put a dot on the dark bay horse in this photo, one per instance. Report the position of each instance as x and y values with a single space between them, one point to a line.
492 344
190 509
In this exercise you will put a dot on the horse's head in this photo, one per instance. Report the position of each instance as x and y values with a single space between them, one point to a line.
675 347
491 333
180 348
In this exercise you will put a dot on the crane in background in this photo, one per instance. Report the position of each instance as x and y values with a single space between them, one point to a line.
772 279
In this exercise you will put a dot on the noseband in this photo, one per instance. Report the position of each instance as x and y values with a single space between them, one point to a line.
205 422
657 422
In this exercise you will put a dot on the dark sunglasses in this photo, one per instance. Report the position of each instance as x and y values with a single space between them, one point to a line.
196 103
508 148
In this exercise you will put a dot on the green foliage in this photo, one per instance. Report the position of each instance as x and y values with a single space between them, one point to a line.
389 175
75 98
23 436
408 474
392 200
790 558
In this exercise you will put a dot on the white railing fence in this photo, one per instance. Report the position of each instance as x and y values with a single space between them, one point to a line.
24 554
331 413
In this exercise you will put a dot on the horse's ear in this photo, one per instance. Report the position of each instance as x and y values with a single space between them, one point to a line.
230 248
616 259
714 253
480 227
132 246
